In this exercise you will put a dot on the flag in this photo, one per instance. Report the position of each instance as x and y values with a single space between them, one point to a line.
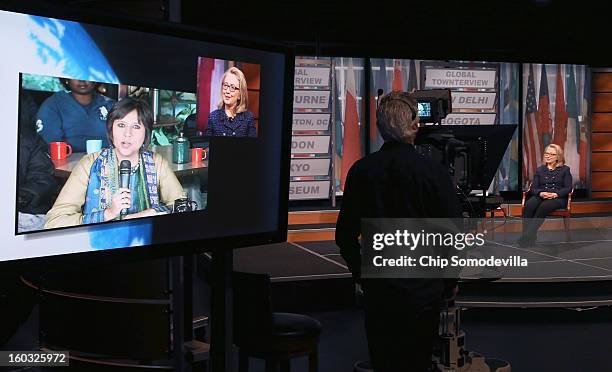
215 85
508 115
351 140
398 81
205 68
544 122
507 92
572 157
373 135
560 132
412 77
532 148
379 81
513 114
583 144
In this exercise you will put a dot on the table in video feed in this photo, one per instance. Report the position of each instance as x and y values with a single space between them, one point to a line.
63 168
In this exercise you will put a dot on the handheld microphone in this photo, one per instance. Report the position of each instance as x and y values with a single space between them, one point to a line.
125 169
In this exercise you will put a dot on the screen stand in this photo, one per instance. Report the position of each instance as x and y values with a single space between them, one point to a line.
221 310
182 310
187 351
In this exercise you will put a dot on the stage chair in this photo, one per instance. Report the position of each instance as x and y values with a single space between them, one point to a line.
261 333
566 213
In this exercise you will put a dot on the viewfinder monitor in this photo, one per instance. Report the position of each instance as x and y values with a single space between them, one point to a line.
424 109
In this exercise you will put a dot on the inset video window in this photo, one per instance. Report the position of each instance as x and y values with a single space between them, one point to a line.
228 98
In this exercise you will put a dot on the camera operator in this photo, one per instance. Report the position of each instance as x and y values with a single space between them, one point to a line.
401 315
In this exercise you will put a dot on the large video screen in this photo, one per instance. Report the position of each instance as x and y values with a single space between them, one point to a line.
119 138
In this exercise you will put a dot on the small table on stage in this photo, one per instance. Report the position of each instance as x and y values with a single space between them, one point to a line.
63 168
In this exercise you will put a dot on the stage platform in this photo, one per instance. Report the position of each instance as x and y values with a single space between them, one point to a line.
319 224
576 274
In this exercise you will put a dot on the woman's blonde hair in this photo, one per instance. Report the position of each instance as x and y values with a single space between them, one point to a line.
560 157
243 99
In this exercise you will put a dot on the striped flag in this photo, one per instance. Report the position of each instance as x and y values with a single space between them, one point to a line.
398 81
412 77
508 172
339 105
532 146
215 85
572 157
379 82
511 116
508 88
205 68
351 140
560 132
543 119
584 107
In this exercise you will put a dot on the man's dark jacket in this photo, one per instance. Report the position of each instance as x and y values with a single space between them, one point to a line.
37 185
395 182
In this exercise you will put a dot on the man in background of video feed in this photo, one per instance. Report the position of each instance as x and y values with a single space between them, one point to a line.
37 188
75 116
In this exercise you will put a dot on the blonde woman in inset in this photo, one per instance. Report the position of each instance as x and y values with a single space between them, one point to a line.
232 118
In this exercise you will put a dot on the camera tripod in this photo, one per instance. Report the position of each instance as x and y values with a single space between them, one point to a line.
450 354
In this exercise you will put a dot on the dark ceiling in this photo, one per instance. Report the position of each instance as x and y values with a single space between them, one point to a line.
512 30
544 30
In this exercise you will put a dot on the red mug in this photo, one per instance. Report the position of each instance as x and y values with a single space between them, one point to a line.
198 154
60 150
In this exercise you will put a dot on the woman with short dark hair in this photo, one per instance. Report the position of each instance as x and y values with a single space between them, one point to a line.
93 194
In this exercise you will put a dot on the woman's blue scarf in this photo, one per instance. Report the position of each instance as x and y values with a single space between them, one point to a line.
104 182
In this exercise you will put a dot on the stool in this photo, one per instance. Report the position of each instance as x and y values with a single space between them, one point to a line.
273 336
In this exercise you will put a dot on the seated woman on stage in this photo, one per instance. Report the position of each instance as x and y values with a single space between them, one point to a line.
551 186
92 193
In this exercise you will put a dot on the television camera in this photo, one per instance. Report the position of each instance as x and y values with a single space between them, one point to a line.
433 104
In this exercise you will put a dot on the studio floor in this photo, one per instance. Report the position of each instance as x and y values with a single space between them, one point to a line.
548 332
